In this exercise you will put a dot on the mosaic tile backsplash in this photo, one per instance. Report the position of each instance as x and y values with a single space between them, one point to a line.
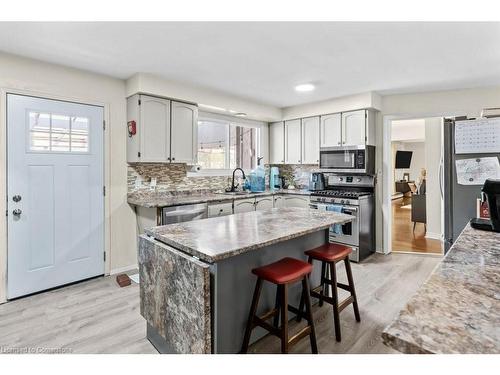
173 177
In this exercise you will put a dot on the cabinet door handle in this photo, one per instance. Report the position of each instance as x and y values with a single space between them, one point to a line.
173 158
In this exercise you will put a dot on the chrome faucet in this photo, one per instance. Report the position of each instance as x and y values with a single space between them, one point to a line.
233 187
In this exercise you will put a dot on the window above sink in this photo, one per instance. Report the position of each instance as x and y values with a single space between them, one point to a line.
226 143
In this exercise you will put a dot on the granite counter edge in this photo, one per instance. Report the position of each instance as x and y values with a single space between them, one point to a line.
234 252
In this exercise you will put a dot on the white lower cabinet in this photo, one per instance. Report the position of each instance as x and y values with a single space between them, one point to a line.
264 203
296 201
220 209
278 201
244 205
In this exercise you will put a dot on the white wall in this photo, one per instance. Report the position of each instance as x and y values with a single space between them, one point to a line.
406 130
441 103
417 159
468 102
154 85
433 146
345 103
55 81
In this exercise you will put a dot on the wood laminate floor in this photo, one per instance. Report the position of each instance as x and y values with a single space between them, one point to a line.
97 316
403 237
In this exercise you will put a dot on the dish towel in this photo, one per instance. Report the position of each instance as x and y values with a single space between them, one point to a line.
336 228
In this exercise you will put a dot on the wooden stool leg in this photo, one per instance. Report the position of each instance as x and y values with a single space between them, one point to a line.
336 318
309 316
277 306
251 315
301 307
322 282
301 304
351 286
284 319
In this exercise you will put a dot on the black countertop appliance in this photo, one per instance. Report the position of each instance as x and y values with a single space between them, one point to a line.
491 189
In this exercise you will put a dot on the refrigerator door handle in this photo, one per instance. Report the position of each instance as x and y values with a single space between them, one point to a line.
441 177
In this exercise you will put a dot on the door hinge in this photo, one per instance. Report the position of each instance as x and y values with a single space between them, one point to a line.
138 154
104 124
104 256
139 102
104 190
6 212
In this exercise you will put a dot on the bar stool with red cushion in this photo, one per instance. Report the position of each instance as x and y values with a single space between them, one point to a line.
282 273
329 255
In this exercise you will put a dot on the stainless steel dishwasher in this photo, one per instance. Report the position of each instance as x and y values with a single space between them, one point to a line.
179 214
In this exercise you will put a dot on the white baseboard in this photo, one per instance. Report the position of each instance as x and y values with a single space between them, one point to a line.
433 236
132 267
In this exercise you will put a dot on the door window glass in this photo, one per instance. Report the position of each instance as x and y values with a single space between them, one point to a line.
49 132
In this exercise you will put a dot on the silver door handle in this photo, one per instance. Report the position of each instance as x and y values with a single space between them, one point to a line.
441 177
17 212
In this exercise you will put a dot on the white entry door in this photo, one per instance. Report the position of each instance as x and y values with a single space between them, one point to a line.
55 193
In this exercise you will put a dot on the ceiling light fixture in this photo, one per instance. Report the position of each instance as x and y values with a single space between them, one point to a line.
240 114
305 87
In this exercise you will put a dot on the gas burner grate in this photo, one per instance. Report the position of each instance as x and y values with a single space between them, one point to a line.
340 194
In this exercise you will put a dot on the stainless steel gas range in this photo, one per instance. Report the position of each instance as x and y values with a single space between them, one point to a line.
353 195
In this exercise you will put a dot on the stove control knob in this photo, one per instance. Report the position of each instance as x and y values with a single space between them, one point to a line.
341 179
358 179
342 201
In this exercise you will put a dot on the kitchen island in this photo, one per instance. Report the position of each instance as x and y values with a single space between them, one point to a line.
196 282
457 310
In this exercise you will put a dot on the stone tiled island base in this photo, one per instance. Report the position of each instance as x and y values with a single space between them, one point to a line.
196 307
174 298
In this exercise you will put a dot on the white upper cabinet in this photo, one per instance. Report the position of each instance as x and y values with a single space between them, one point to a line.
354 128
310 140
277 143
293 142
165 131
154 129
331 130
184 132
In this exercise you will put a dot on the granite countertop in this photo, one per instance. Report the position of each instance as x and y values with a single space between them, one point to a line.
146 198
457 310
219 238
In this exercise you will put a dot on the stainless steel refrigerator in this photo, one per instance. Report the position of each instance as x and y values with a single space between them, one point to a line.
459 200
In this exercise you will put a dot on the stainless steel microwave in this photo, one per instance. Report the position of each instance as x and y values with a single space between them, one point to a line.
351 159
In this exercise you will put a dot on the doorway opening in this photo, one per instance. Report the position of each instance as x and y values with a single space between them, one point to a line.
416 178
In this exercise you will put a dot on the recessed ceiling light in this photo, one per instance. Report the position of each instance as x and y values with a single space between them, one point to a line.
240 114
305 87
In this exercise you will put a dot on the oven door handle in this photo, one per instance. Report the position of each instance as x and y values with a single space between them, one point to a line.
353 209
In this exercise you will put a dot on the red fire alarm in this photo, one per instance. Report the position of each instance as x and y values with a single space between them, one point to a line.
132 128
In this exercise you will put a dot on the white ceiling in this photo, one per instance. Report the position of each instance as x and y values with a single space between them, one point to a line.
264 61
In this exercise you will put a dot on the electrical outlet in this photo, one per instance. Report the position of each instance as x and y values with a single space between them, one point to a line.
152 185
